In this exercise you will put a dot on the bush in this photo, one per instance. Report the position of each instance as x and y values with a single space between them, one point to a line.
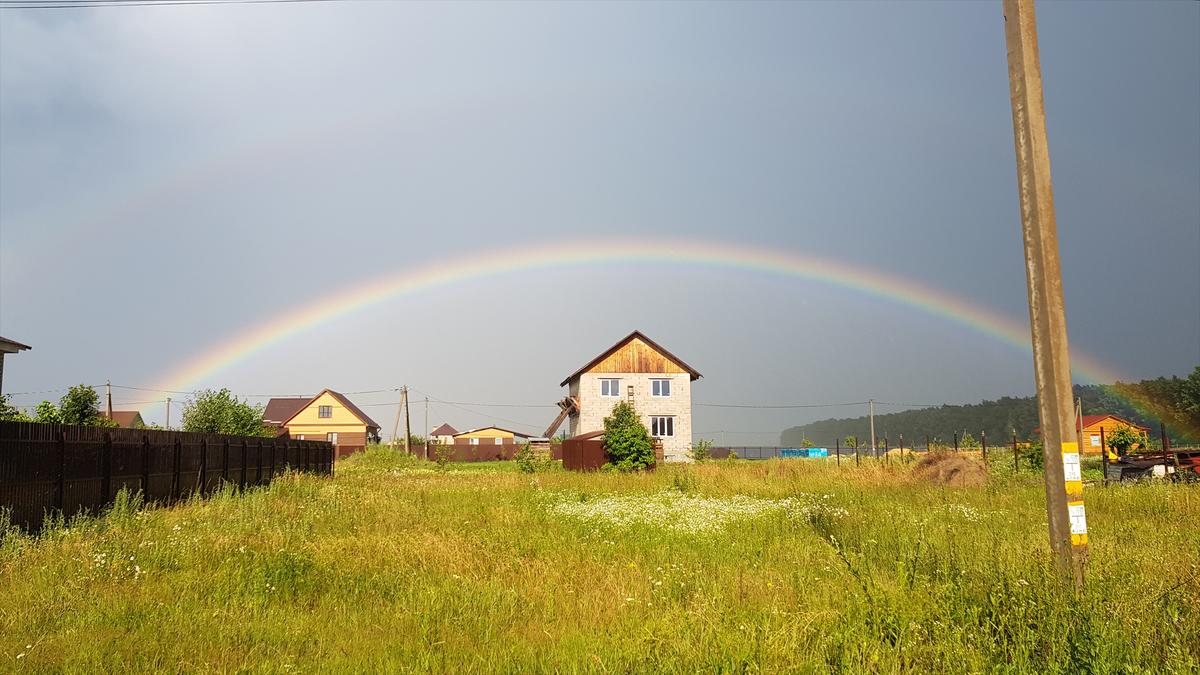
532 460
441 456
1032 458
627 442
702 451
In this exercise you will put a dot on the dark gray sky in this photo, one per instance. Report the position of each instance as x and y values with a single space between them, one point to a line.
171 176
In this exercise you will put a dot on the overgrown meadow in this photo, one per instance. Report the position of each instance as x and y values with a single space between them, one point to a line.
778 566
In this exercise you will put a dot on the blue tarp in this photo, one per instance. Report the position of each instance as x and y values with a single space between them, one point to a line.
804 452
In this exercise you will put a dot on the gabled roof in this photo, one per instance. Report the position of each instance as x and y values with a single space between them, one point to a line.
492 426
280 409
1089 420
637 334
354 410
12 346
124 418
444 430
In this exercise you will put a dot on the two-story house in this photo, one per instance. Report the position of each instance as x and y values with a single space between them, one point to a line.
638 370
328 416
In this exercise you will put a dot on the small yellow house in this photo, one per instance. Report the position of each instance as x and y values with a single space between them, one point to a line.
489 436
330 416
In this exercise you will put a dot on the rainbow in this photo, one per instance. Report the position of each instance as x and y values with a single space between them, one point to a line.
716 254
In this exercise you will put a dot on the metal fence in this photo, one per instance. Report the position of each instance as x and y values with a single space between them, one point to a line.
48 468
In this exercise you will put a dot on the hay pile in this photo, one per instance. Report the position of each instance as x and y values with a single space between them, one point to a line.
947 468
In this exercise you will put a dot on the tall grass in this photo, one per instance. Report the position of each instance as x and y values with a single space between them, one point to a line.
396 566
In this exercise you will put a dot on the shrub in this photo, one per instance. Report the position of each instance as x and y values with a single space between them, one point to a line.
527 460
441 456
702 451
627 442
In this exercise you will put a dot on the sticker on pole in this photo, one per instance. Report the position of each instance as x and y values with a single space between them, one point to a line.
1071 471
1078 519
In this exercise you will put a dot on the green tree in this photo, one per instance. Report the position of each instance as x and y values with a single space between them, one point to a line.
968 441
11 413
220 412
702 450
852 442
626 440
81 406
47 413
1124 439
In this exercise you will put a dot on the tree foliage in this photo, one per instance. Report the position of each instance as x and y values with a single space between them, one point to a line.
1175 401
627 442
81 406
220 412
11 413
1124 439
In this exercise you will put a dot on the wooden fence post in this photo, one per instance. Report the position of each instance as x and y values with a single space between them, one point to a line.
1104 454
983 442
146 467
106 470
61 488
274 442
225 460
258 464
837 444
177 453
201 475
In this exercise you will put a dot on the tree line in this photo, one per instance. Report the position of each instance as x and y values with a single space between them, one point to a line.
209 411
1173 401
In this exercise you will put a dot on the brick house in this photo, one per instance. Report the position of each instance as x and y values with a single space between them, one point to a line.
638 370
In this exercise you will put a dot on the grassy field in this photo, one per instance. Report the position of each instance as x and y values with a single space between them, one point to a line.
779 566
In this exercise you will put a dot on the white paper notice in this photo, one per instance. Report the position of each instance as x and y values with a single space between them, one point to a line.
1078 520
1071 466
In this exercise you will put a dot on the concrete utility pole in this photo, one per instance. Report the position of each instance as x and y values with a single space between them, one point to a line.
407 430
168 413
396 424
427 429
1043 275
108 393
871 402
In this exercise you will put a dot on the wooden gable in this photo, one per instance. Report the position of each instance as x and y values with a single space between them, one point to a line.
636 354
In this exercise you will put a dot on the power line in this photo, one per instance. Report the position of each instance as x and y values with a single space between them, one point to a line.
80 4
778 407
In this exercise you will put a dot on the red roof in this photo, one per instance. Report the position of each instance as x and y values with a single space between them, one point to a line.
125 418
444 430
280 409
1089 420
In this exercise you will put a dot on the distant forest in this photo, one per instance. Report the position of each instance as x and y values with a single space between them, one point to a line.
1174 401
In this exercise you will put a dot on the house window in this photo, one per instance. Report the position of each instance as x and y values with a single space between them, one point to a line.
331 437
610 388
499 441
325 411
662 426
1095 440
660 388
300 437
473 441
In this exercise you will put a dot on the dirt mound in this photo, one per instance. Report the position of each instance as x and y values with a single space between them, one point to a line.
946 468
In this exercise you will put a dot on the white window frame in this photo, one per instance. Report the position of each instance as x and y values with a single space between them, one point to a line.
472 441
656 384
662 426
321 412
613 384
331 437
499 441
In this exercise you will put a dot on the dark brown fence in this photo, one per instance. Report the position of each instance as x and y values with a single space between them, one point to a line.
47 468
483 452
